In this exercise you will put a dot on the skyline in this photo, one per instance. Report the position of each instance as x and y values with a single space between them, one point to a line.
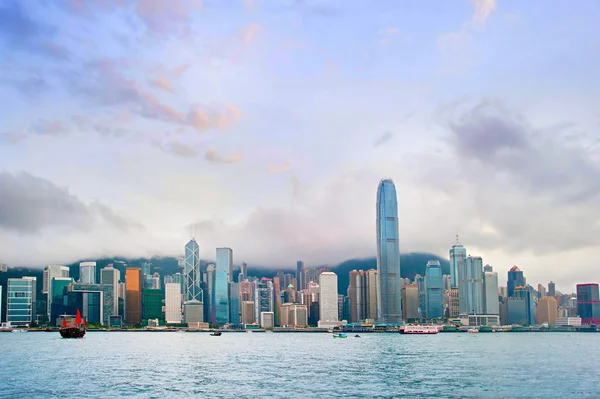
240 118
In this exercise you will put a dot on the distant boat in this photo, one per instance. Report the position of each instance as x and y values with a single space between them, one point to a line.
249 331
472 331
73 331
425 330
216 334
357 336
19 330
340 335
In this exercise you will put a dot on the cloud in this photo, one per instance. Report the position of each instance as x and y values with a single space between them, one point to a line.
179 149
31 85
384 138
284 167
203 118
177 72
214 157
250 33
167 16
483 9
161 82
46 127
31 204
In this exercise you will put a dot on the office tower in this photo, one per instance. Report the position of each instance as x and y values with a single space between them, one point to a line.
343 307
470 286
146 269
234 303
490 292
210 308
357 295
372 294
192 271
541 291
551 289
152 304
173 303
328 297
388 254
458 256
410 300
446 282
547 311
434 295
243 272
223 276
300 275
520 308
588 303
263 297
111 276
193 312
502 292
20 301
87 272
155 281
488 268
312 275
50 272
420 282
267 319
515 279
248 312
133 294
280 277
277 300
453 302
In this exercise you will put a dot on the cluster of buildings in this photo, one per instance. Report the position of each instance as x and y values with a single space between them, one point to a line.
217 294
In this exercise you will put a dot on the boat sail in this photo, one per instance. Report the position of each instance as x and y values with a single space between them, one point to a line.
69 330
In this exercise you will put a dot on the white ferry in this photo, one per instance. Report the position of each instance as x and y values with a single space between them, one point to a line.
420 330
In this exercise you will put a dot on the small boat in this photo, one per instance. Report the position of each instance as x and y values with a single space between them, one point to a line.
249 331
19 330
357 336
73 331
216 334
425 330
472 331
340 335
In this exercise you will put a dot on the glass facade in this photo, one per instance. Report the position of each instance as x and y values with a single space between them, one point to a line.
588 303
152 305
388 255
192 273
58 304
133 296
458 255
20 309
434 290
515 279
223 277
470 286
234 303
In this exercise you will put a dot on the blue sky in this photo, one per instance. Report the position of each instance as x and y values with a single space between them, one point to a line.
268 124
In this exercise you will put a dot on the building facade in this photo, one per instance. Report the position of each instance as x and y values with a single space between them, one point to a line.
588 303
490 292
458 256
434 293
223 277
263 297
388 255
470 286
20 301
410 300
111 276
192 271
515 279
133 295
328 297
547 311
173 303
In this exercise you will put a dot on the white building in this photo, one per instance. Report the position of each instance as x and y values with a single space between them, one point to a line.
173 303
50 272
568 321
490 293
267 319
87 273
328 298
111 276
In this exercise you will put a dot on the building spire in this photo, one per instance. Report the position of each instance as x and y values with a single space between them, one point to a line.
457 239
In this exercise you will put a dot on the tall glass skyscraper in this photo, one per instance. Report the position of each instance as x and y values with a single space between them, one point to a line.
223 276
470 286
458 254
192 271
20 309
388 255
434 290
588 303
515 279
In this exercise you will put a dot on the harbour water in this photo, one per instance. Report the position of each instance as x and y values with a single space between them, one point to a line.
296 365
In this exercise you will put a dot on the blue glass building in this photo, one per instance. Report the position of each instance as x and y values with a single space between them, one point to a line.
223 276
515 279
192 273
20 304
434 290
470 286
458 255
389 307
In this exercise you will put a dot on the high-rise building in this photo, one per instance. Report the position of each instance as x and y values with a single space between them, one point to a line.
458 256
470 286
50 272
371 294
300 275
111 276
248 312
152 304
192 271
388 254
3 267
87 272
410 300
211 315
277 300
234 303
434 294
328 298
133 294
588 303
357 294
173 303
453 303
193 312
490 292
243 272
446 282
488 268
551 289
515 279
223 277
547 311
420 281
263 297
20 301
520 308
541 291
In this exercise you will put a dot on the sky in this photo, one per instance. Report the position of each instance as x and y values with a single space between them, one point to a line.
265 126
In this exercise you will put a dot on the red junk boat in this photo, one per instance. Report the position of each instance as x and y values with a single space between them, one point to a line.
76 330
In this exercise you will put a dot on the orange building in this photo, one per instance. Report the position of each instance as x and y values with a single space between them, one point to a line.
133 296
547 310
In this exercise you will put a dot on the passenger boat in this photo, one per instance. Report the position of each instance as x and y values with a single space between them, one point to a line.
73 331
419 330
216 334
19 330
340 335
472 331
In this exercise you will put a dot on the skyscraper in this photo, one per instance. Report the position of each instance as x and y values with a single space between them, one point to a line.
87 272
263 297
243 272
111 276
515 279
551 289
490 292
192 271
470 286
133 295
458 255
328 298
410 298
357 295
223 276
434 294
300 275
21 298
173 303
588 303
50 272
547 311
388 255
